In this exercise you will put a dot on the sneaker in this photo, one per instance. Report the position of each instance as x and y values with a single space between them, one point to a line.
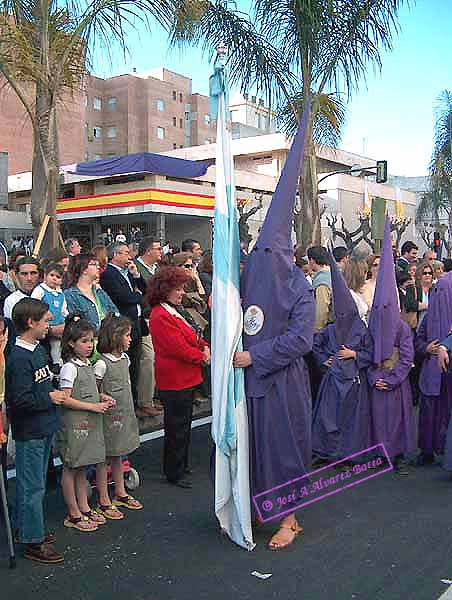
43 553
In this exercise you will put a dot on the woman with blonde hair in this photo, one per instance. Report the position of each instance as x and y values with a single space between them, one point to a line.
100 252
368 290
355 272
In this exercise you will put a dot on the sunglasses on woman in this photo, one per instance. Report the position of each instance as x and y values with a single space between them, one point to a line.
427 273
188 266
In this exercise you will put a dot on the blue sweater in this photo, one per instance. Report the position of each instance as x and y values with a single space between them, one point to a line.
28 381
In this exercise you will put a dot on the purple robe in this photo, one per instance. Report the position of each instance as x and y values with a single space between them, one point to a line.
392 420
435 403
279 395
341 422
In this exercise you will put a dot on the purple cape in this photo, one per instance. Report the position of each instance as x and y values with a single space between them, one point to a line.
279 315
341 420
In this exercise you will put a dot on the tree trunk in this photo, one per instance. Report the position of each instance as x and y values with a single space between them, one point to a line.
45 170
307 220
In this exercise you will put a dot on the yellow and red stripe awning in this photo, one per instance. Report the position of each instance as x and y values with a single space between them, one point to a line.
152 196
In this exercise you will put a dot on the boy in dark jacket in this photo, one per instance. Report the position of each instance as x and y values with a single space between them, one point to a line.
30 401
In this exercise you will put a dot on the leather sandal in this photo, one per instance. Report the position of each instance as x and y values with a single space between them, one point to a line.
128 502
296 530
109 511
80 523
95 517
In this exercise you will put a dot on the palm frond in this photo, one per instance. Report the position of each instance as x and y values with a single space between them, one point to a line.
329 115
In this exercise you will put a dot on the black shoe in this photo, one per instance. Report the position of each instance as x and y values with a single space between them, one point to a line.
401 467
182 483
425 459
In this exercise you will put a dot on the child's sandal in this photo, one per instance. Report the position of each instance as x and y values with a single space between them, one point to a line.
80 523
95 517
109 511
128 502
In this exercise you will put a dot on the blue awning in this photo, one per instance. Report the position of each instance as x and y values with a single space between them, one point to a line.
142 162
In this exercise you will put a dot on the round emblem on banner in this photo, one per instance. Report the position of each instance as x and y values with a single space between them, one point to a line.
253 320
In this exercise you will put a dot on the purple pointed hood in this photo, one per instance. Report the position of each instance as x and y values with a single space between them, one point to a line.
345 309
268 282
385 314
437 324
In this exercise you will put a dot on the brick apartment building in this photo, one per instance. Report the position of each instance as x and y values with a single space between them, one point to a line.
154 111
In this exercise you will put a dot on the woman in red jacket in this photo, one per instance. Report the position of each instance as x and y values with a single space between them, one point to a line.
179 354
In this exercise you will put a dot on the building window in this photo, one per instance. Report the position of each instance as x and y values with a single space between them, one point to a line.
181 123
181 98
161 133
112 102
160 105
85 101
206 119
111 132
174 146
174 121
98 157
97 103
174 95
97 132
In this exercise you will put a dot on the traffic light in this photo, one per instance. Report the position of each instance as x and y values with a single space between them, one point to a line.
382 171
436 240
437 244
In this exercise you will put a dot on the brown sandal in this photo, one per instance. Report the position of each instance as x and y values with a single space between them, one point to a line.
109 511
295 529
127 502
80 523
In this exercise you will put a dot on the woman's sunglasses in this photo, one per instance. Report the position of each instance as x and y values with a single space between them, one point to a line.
188 266
427 273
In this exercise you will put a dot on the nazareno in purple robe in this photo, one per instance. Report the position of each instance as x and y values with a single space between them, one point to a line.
392 410
341 420
279 317
435 402
279 397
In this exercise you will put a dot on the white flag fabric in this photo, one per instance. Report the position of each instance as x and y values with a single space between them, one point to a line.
229 412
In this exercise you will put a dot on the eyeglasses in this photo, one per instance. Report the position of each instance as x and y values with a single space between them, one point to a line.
188 266
428 273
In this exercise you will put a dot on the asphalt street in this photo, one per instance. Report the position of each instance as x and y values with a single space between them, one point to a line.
386 539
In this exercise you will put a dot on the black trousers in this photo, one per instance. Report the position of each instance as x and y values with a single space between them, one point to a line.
134 353
178 412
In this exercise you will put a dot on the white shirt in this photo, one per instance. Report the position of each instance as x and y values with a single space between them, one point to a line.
100 368
26 345
361 305
68 373
120 238
11 302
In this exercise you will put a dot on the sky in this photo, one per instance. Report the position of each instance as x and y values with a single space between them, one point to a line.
390 116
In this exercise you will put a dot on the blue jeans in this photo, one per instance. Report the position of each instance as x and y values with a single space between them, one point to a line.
32 457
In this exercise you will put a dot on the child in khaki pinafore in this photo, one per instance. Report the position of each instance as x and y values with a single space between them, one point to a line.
80 440
120 423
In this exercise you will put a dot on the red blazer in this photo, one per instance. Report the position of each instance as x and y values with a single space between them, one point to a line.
178 352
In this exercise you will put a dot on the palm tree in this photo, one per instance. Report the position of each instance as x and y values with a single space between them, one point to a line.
436 202
298 49
45 49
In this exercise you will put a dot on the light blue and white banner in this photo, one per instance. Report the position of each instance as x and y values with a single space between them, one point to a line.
229 413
